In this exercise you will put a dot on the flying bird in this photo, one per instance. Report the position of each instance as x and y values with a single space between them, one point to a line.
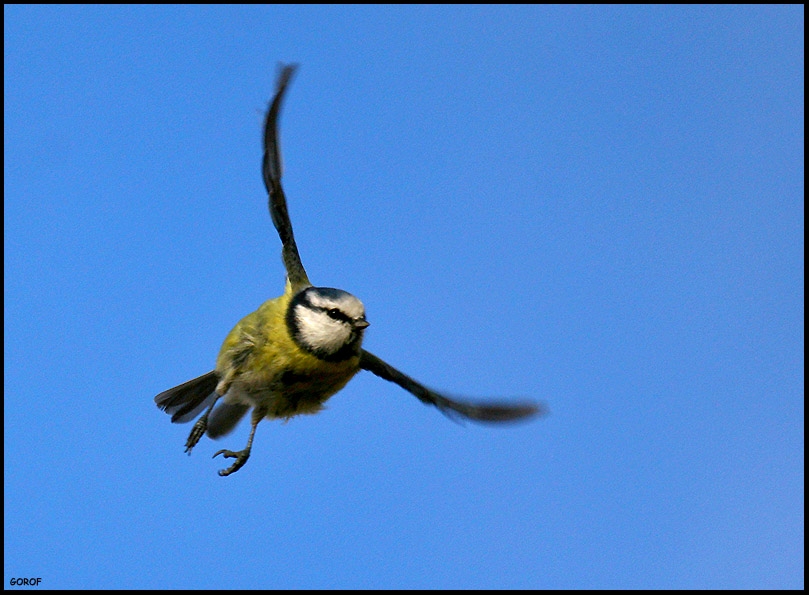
297 350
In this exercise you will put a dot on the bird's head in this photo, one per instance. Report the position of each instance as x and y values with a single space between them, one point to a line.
326 322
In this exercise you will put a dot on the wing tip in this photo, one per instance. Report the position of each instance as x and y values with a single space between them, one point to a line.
502 412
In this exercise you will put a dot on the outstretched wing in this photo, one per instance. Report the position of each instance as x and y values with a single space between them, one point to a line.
271 170
491 411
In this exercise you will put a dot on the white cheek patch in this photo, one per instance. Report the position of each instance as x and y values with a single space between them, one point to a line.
320 331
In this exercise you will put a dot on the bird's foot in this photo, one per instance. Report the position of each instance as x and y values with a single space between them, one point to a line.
240 456
197 432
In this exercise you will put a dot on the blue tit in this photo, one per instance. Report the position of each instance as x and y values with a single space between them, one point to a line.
297 350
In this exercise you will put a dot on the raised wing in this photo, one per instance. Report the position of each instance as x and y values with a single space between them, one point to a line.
271 170
489 411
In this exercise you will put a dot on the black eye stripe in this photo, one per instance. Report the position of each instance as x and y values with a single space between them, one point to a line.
336 314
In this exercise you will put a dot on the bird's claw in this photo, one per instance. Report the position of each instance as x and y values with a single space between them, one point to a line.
197 432
240 456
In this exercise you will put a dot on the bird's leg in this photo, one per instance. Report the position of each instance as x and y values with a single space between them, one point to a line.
241 456
198 431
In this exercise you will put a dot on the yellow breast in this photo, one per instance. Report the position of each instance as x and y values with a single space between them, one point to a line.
261 365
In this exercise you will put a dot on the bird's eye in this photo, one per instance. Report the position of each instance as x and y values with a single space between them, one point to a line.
335 313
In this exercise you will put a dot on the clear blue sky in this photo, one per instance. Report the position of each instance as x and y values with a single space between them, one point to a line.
600 208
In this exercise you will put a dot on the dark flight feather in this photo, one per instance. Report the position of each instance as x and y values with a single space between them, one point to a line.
486 411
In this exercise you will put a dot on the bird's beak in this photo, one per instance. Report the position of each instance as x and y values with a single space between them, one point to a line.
361 324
